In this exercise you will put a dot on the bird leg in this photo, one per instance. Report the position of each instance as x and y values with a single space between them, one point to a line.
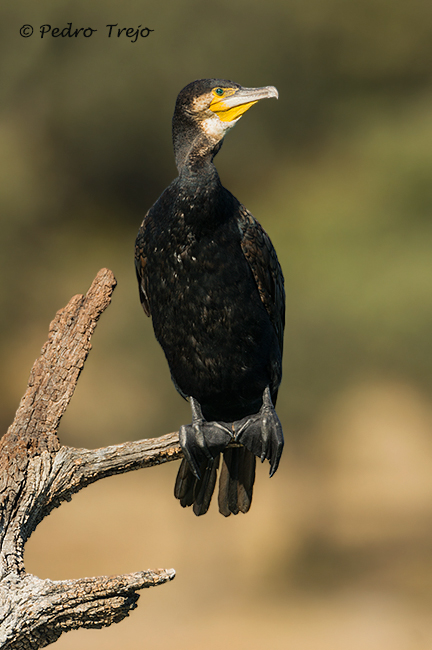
262 433
201 440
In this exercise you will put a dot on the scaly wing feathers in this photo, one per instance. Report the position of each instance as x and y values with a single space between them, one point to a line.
262 259
141 269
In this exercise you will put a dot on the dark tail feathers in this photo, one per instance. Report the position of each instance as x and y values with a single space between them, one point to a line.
236 481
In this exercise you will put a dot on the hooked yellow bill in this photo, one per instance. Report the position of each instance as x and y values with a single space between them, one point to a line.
230 104
223 110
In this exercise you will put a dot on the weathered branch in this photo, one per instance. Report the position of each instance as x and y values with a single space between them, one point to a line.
37 474
80 467
36 612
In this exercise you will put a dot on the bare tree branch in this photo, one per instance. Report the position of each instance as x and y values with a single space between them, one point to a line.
37 474
80 467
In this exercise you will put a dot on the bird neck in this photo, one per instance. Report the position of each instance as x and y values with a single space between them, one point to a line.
198 181
194 150
196 157
199 171
200 196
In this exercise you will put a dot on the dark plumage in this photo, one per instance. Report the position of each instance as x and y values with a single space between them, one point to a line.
210 279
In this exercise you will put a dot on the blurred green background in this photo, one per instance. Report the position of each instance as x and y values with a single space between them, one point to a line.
336 552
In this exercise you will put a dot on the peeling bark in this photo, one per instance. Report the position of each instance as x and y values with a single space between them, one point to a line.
37 474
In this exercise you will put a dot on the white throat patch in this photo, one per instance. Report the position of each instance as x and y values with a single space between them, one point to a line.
214 128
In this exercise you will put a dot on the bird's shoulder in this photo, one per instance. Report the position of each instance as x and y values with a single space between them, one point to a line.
141 266
152 225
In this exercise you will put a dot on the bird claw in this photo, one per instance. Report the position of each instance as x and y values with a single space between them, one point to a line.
262 433
202 441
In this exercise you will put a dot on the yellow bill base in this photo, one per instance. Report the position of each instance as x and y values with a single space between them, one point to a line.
227 114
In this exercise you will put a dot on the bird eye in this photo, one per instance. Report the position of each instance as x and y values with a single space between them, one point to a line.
219 91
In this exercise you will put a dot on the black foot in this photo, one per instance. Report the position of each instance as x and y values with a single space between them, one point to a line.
202 441
262 433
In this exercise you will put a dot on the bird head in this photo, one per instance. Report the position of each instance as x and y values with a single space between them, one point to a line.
206 109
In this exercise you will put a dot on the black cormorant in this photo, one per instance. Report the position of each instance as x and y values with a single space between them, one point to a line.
210 278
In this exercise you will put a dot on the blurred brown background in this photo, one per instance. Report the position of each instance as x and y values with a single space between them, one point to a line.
336 552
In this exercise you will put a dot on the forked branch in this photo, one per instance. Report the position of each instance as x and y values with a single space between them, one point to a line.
37 474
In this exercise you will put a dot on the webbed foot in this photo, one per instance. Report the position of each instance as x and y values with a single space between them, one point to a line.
202 441
262 433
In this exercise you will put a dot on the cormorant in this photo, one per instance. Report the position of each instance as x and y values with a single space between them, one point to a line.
210 278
